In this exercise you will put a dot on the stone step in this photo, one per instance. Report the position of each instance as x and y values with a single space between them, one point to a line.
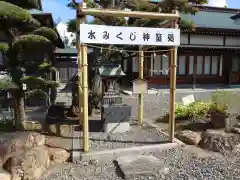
134 166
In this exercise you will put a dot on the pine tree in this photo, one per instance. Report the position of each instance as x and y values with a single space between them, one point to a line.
117 53
25 40
164 6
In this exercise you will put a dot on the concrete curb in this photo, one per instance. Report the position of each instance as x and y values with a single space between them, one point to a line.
115 153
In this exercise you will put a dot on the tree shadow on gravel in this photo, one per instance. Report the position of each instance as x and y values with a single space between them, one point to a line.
118 170
196 126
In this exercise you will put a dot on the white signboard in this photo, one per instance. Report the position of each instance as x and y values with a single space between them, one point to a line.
24 87
101 34
188 100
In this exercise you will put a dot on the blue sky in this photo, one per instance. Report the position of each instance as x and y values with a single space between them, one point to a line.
60 11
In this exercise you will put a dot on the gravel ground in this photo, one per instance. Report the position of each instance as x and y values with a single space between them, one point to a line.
181 164
137 136
157 105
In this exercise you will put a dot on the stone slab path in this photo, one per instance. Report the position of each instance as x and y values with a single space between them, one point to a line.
183 162
133 166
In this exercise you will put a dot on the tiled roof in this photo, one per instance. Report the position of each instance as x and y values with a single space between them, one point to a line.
70 50
211 19
66 51
37 12
111 71
208 46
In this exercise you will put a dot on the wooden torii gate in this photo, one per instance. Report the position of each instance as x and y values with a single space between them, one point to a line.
83 64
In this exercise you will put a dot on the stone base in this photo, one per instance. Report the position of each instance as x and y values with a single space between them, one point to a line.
116 127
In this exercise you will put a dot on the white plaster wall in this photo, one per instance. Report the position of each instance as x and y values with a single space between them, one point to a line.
232 41
217 3
184 39
206 40
237 21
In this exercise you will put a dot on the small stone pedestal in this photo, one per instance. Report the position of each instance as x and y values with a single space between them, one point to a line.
116 117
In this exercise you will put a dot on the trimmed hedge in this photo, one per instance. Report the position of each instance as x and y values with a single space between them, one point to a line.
12 16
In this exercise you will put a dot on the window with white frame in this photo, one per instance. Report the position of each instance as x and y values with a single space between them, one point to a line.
191 65
181 65
135 64
161 64
199 65
207 65
215 61
236 64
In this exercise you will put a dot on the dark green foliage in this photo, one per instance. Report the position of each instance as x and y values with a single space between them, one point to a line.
72 25
4 47
40 94
28 46
26 4
6 83
166 6
6 124
34 82
29 43
45 68
12 16
48 33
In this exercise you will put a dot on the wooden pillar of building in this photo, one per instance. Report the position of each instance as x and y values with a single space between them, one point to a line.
230 73
194 72
140 96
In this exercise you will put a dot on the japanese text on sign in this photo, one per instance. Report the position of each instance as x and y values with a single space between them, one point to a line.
100 34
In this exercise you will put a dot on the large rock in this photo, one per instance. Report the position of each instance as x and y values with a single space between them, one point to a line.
189 137
30 165
219 141
4 175
135 166
58 155
236 148
14 144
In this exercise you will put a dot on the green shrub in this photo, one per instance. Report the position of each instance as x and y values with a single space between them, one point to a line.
192 111
198 110
221 100
181 111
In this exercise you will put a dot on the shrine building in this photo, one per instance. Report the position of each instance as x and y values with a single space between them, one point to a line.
208 55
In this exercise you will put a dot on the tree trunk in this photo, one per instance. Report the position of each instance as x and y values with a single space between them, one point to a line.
75 94
19 111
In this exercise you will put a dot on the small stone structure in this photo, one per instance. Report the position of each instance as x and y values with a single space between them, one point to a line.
115 115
